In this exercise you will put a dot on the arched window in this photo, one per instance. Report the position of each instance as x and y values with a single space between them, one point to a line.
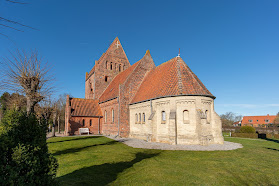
136 118
83 122
90 123
106 65
186 116
139 117
105 116
119 68
143 117
163 116
207 114
112 116
111 66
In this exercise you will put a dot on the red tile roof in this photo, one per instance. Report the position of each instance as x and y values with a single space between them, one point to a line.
85 107
112 90
171 78
258 119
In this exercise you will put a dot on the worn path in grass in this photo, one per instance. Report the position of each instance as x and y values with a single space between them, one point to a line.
96 160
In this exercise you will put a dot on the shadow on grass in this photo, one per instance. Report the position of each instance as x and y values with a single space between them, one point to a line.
101 174
274 140
73 150
273 149
74 139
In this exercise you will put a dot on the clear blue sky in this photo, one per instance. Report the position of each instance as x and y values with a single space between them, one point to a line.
231 45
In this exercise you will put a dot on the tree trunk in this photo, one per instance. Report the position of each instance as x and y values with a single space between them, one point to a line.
30 105
58 124
53 126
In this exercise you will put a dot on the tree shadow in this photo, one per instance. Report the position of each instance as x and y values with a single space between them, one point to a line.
76 138
101 174
73 150
274 140
273 149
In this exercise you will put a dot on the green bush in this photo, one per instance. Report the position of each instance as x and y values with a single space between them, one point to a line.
247 129
24 156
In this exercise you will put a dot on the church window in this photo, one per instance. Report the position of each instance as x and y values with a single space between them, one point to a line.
106 78
136 118
186 116
143 117
163 117
105 116
139 117
83 122
90 122
112 116
111 66
119 68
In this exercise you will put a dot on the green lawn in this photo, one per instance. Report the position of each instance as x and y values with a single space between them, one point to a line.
100 161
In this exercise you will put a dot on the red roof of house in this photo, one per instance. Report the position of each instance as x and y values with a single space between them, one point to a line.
258 119
112 90
85 107
171 78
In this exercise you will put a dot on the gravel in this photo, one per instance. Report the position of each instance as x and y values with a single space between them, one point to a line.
137 143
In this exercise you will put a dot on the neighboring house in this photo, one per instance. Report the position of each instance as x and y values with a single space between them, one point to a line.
258 121
166 104
237 124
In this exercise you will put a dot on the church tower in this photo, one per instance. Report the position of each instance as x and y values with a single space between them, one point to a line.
111 63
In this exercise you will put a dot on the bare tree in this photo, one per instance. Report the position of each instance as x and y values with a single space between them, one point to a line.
25 73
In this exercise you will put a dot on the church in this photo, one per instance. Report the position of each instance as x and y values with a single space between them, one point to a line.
167 103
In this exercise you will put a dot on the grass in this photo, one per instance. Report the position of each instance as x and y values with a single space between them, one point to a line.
97 160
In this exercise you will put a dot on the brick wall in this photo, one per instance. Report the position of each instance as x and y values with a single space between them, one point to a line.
110 127
77 122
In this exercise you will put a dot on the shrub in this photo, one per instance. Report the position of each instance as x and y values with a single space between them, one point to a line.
24 156
245 135
247 129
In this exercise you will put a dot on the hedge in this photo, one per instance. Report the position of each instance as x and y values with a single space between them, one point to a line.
245 135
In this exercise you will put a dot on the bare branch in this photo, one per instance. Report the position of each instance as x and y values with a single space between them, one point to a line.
17 23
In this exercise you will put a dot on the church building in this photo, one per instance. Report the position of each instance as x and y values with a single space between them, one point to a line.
167 103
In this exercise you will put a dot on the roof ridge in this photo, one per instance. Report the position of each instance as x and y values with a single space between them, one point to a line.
179 75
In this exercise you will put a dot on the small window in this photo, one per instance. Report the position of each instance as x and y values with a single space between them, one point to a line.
106 78
136 117
83 122
119 68
139 117
207 116
186 116
250 120
163 117
112 116
105 116
90 123
143 117
111 66
267 120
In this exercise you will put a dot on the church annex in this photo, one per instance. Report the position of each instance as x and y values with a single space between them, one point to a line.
167 103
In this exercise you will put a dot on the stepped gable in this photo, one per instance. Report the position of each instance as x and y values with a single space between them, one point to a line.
171 78
85 107
112 91
115 49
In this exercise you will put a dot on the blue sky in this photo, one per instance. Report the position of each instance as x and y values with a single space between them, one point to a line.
231 45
